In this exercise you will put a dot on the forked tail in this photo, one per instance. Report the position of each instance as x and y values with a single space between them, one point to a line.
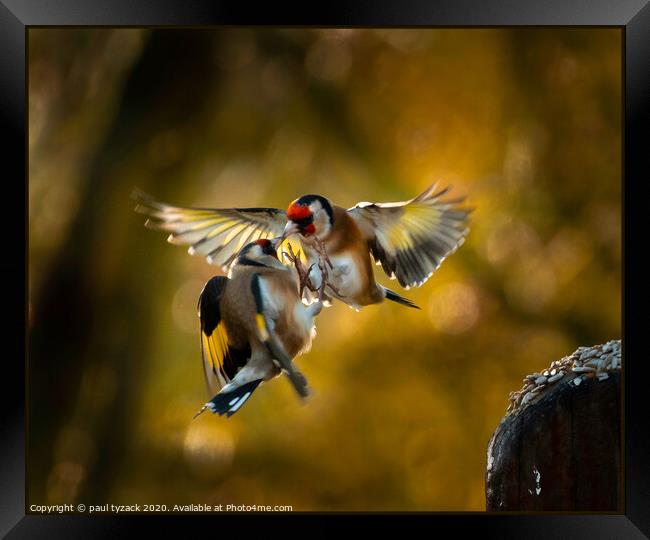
229 403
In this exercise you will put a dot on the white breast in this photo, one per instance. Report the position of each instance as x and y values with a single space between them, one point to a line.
345 275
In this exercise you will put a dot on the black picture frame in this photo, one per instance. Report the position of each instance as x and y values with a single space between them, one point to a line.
17 16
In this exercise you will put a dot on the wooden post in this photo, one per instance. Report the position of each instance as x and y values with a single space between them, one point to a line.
561 451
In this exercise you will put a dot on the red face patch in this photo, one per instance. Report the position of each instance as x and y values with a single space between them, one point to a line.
297 211
267 247
309 229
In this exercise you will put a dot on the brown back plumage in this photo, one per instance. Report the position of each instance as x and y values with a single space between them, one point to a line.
239 308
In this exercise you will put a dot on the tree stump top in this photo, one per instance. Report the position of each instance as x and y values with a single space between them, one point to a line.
558 447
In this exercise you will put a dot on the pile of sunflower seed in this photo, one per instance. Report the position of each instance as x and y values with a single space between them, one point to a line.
585 363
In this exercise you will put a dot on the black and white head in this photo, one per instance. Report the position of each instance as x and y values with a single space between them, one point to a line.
310 215
262 252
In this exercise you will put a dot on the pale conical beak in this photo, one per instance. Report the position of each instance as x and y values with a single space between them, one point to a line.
289 229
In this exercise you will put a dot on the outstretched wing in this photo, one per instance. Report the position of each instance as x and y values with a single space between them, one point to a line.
411 238
221 360
215 233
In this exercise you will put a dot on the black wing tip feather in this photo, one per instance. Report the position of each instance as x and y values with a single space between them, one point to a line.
392 295
139 195
146 201
433 192
208 305
430 194
149 203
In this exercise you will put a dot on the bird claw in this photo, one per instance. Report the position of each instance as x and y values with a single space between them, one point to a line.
323 262
334 289
322 252
305 281
303 275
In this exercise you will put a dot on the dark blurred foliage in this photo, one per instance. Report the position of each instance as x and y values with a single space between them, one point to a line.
526 122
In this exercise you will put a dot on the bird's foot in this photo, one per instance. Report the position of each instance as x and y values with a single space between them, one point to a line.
335 290
323 263
303 275
322 252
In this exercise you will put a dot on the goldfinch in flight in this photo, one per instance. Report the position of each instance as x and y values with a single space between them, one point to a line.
253 324
409 239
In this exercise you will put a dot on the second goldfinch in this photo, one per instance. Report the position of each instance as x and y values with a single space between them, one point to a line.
253 324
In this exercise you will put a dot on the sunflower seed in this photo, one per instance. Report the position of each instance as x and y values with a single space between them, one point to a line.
528 397
585 362
588 354
583 369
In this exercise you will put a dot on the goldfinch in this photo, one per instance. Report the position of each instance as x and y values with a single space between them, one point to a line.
253 324
409 239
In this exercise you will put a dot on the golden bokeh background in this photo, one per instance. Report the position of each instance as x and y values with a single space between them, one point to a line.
525 122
